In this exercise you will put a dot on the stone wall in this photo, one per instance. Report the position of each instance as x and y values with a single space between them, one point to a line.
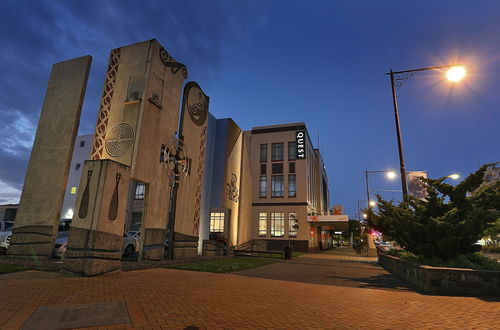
440 280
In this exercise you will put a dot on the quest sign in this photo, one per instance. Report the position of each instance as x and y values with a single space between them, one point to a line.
300 138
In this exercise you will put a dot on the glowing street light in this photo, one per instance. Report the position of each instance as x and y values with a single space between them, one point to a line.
454 176
391 175
372 203
455 73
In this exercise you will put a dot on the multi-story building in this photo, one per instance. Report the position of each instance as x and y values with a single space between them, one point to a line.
81 153
289 184
260 187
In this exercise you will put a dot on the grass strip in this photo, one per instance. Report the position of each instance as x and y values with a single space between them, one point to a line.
8 268
226 265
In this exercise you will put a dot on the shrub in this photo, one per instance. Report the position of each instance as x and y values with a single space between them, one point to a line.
447 223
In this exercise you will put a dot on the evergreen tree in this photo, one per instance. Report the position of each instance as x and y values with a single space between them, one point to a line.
447 223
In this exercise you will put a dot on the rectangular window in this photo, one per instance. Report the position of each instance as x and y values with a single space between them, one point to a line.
292 186
140 190
82 144
136 221
278 168
292 150
73 190
262 224
293 225
291 167
263 186
277 224
277 151
278 186
263 152
263 168
77 167
217 222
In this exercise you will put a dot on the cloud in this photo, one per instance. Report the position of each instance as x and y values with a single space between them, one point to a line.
16 132
8 194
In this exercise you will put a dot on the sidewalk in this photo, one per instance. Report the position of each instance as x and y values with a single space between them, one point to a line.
339 266
175 299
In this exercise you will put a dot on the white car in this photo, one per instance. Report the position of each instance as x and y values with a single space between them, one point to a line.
130 244
5 239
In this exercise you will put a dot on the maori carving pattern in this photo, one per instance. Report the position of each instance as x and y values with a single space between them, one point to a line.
169 62
84 204
199 181
119 140
107 95
113 205
232 189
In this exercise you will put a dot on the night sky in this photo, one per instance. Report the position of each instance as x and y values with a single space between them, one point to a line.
271 62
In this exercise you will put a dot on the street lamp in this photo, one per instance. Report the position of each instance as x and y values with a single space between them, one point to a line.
455 73
389 174
454 176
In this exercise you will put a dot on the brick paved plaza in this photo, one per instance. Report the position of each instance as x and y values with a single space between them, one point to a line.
166 298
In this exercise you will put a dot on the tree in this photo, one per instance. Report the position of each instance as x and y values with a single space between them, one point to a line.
447 223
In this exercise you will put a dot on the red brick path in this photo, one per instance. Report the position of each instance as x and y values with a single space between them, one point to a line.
165 298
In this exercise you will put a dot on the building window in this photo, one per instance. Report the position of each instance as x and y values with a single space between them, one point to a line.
77 166
262 224
277 224
136 221
277 151
277 168
278 186
291 167
140 190
292 150
263 152
82 144
216 222
263 168
73 190
292 187
263 186
293 225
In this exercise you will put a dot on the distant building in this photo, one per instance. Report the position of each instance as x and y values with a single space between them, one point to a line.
289 183
81 153
8 212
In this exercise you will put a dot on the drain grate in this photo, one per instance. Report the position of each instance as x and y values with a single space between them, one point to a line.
77 316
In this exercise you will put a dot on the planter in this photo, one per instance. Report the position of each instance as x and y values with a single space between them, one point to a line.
441 280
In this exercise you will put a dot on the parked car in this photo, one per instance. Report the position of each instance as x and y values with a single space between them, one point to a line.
5 239
60 244
130 244
384 246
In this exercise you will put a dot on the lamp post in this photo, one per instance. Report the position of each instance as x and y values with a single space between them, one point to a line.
390 175
455 73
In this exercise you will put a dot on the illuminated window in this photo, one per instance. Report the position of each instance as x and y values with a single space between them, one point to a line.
277 224
73 190
262 224
263 186
278 186
293 225
277 151
140 190
217 222
292 187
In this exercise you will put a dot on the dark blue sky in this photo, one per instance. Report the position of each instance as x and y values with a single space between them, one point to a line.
269 62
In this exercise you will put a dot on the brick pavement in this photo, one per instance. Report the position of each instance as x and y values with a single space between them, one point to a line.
167 298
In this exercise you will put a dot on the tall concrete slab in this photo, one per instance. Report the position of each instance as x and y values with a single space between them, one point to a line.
46 177
96 235
138 115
